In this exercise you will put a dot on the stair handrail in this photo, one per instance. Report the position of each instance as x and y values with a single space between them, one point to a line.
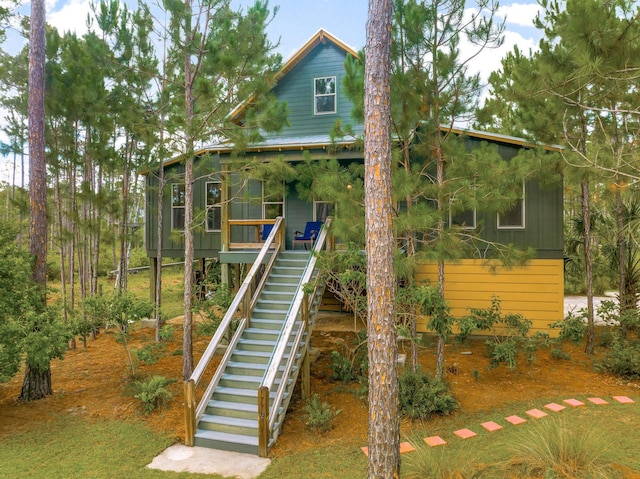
244 300
267 414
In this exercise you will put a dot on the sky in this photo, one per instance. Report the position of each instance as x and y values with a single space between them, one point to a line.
298 20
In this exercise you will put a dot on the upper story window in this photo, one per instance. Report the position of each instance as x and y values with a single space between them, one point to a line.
214 210
177 206
514 218
325 95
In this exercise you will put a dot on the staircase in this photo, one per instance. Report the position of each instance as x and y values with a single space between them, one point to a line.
230 419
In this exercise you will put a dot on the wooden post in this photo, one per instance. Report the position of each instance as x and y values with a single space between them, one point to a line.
306 368
306 375
153 276
189 412
225 234
263 421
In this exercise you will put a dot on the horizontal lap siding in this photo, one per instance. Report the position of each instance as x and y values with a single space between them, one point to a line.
536 291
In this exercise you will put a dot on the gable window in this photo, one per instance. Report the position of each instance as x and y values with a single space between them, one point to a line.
323 209
177 206
272 202
514 218
325 95
214 210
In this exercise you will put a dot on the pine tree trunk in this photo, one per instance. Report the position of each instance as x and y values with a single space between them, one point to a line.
588 262
36 384
187 341
384 426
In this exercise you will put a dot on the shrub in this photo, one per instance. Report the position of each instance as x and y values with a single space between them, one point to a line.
320 417
354 364
153 393
555 449
342 368
573 327
622 359
428 462
509 334
421 396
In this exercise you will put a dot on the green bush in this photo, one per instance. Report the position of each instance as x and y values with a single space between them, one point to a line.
320 417
343 368
421 396
622 359
509 334
573 327
153 393
553 448
428 462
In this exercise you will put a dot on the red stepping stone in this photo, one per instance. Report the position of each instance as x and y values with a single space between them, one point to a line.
434 441
623 399
555 407
573 402
491 426
598 401
465 433
515 420
365 449
406 447
536 413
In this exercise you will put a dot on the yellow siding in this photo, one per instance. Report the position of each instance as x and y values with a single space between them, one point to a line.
536 291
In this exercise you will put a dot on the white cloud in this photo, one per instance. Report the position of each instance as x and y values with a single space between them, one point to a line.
521 14
72 17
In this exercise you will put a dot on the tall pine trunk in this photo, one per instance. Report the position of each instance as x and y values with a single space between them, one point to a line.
187 342
37 380
384 426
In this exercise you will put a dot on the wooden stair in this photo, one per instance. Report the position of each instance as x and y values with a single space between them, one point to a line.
230 420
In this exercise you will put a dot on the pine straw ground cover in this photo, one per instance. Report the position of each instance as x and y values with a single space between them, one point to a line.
90 385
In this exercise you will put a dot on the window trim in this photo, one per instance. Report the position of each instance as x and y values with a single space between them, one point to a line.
316 95
475 220
208 207
175 207
523 213
266 203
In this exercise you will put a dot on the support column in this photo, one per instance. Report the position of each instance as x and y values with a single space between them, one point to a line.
153 277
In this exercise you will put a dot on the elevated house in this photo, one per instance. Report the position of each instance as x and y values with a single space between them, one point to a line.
244 405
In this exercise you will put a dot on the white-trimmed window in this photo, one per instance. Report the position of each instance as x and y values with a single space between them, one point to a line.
272 202
322 210
324 100
514 218
214 210
464 219
177 206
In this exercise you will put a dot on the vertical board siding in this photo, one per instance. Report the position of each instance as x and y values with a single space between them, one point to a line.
536 291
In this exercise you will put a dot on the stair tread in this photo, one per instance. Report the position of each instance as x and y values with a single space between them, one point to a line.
227 437
238 406
229 421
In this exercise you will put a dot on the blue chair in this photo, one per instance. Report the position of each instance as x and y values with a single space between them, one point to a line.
266 229
311 231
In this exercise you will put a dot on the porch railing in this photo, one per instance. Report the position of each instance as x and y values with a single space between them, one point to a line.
299 313
241 307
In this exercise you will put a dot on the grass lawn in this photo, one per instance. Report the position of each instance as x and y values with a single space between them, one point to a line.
71 446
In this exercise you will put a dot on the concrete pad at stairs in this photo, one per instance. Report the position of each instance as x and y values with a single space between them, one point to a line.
180 458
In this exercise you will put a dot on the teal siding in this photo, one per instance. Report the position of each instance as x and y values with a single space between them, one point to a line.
297 89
